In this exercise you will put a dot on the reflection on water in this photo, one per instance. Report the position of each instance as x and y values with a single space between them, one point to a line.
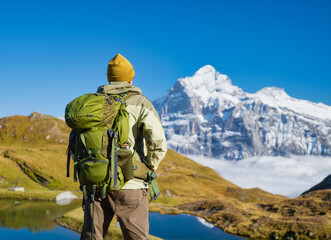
31 214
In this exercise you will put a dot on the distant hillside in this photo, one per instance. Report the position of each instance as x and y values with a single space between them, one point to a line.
325 184
34 156
33 130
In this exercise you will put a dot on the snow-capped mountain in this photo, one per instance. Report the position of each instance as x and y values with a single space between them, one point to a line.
206 115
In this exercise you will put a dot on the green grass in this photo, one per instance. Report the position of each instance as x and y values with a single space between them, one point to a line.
36 168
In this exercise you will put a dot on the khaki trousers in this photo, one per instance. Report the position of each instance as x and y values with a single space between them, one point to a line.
129 205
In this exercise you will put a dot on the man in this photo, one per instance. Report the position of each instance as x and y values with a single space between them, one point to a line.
130 204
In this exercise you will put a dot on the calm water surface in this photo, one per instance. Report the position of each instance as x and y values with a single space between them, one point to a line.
35 220
183 226
26 234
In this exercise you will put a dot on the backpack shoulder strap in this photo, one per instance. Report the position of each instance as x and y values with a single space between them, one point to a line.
130 94
124 96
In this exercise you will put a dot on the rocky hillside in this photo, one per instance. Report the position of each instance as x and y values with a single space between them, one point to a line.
186 186
206 115
325 184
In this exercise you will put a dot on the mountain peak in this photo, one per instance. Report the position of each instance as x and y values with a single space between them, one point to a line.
273 92
209 74
205 70
206 81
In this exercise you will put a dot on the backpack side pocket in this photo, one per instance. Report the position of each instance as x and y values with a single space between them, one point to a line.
125 162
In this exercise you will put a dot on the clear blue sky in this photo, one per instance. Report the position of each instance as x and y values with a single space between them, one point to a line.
54 51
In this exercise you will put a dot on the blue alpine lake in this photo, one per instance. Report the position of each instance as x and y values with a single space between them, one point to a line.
26 234
35 220
183 226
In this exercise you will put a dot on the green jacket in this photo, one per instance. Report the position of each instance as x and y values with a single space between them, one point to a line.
146 134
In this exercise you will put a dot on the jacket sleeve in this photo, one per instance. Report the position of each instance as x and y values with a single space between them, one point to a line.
153 133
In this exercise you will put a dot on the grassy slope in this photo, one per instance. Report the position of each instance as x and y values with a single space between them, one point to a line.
33 155
33 151
45 167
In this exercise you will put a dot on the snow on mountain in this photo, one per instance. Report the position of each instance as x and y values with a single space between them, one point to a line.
207 83
206 115
277 98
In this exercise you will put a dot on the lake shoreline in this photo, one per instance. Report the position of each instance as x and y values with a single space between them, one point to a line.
32 195
71 220
210 210
174 211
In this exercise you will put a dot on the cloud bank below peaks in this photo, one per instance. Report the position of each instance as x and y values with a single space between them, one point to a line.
278 175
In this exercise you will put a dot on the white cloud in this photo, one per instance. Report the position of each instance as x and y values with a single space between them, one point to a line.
278 175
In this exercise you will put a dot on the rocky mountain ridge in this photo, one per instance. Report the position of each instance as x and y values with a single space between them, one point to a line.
206 115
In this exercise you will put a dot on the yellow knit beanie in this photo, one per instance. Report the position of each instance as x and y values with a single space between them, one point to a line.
120 70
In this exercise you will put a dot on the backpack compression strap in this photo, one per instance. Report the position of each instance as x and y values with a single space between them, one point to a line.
112 155
153 187
93 201
71 141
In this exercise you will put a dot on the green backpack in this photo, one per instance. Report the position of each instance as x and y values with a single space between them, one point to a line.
98 141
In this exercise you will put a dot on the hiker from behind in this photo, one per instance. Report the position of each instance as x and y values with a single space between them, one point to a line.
146 144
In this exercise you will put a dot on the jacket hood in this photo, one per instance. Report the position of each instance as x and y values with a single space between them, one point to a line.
118 88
